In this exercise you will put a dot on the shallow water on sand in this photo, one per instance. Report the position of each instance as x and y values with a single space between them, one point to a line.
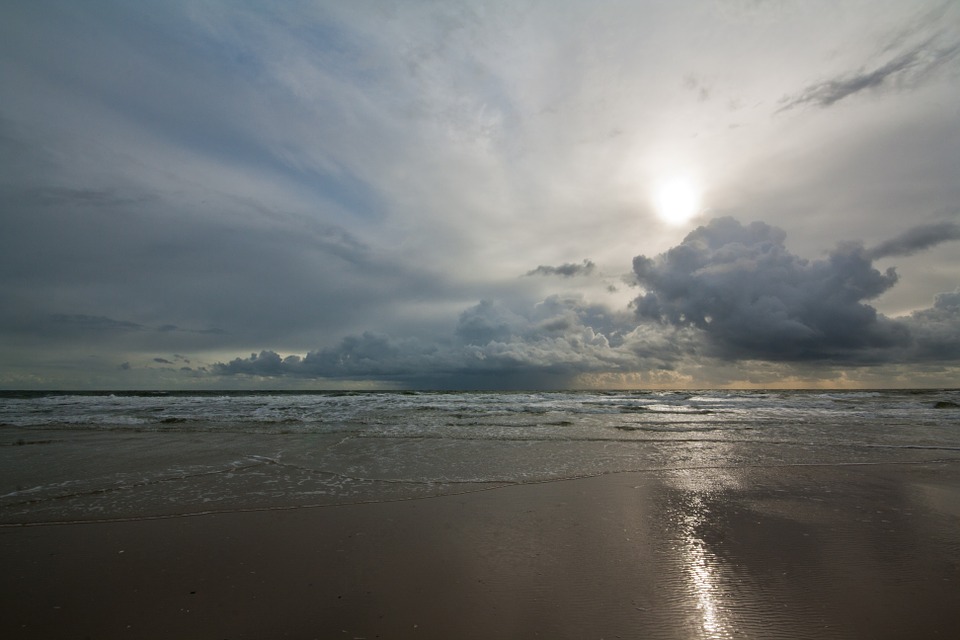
863 551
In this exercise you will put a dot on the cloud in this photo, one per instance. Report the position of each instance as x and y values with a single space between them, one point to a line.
936 330
265 363
94 323
365 356
548 345
324 170
752 298
167 328
82 322
52 196
567 270
905 69
728 291
917 239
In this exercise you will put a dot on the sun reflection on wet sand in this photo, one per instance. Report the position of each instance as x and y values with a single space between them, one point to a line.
700 564
704 570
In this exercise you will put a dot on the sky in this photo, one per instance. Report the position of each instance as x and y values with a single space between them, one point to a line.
479 195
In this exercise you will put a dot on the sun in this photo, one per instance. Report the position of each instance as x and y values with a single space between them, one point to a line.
677 201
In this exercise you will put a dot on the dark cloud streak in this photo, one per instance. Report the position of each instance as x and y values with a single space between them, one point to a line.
917 239
566 270
906 68
94 323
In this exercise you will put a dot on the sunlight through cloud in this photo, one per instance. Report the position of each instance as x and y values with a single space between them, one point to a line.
677 200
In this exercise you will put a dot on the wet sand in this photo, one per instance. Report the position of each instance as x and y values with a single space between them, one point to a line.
795 552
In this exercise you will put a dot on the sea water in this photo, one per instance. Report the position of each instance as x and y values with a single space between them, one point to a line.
70 457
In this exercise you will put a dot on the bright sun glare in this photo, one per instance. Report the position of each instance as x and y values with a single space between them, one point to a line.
677 201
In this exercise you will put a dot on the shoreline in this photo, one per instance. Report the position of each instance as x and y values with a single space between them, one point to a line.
655 472
853 551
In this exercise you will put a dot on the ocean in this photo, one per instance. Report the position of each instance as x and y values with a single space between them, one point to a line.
110 456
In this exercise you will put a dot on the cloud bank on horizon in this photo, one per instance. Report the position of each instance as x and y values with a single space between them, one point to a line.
464 195
727 291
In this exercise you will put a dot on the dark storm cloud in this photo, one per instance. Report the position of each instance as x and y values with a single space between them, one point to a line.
752 298
905 69
567 270
937 330
916 239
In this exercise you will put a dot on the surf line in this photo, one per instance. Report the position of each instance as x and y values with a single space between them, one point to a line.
498 485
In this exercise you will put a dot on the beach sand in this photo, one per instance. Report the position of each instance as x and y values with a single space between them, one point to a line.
868 551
